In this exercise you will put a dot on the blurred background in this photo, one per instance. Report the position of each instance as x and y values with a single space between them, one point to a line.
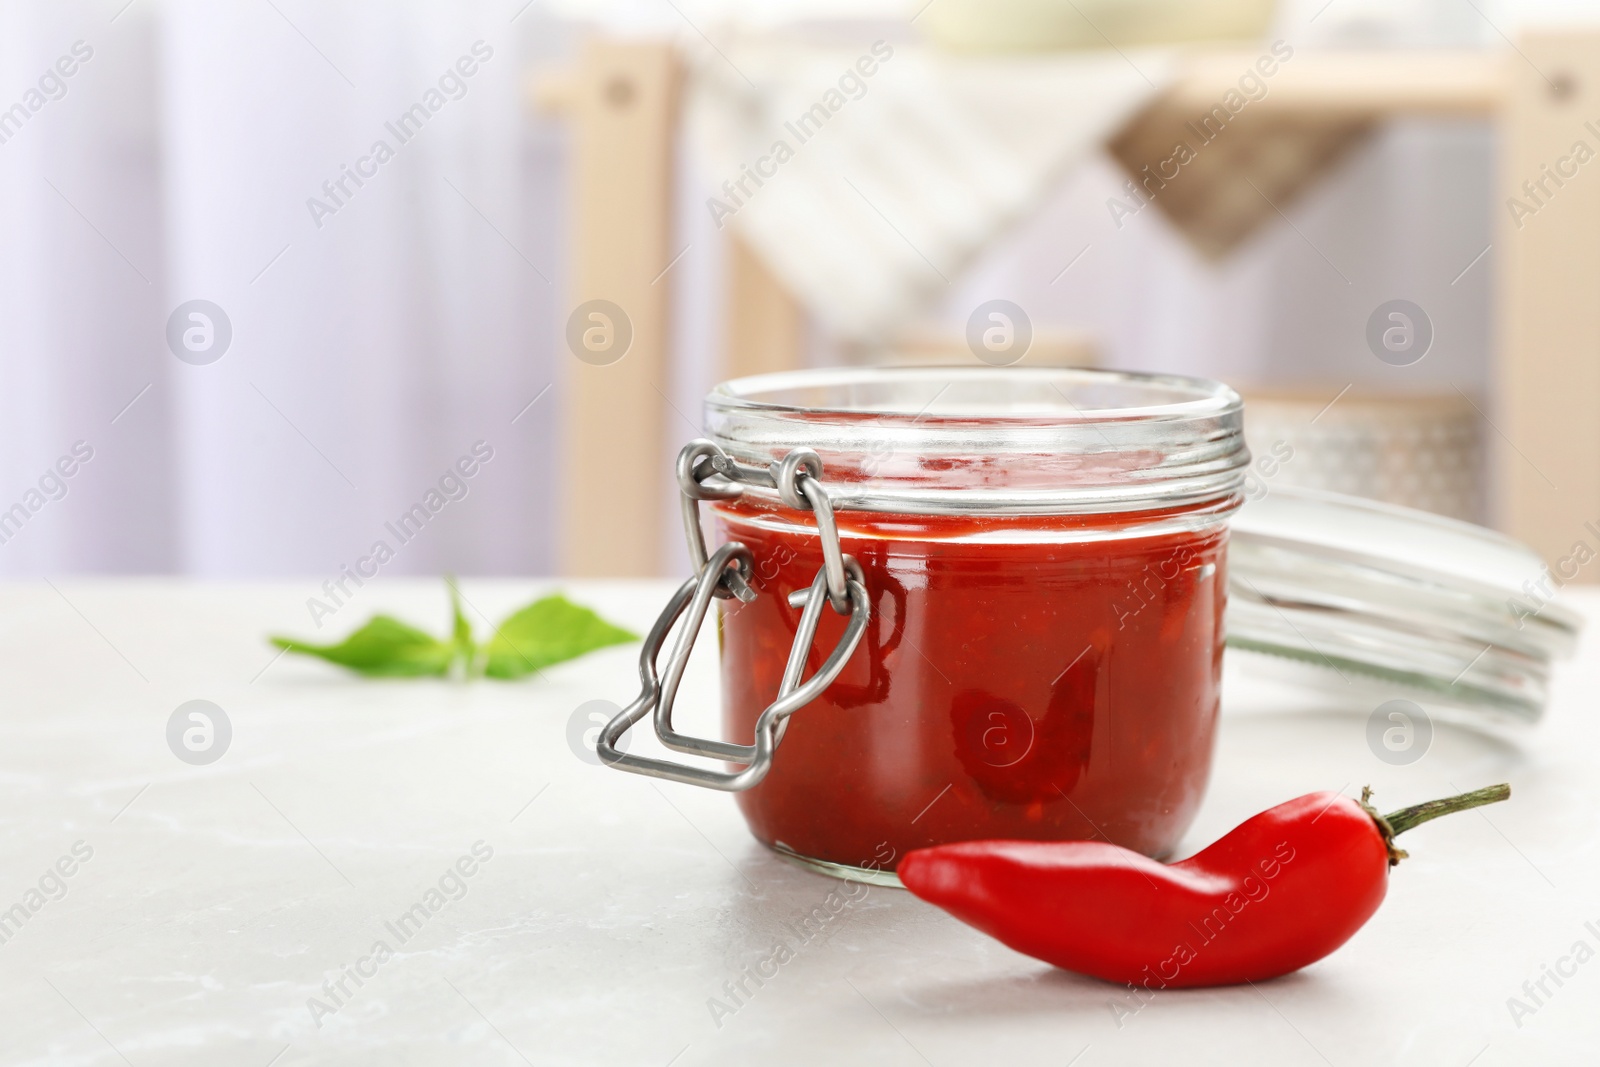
274 274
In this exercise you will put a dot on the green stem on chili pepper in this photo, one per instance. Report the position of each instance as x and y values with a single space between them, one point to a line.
1280 891
1398 822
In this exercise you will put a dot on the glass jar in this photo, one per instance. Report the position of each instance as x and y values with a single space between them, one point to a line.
1028 641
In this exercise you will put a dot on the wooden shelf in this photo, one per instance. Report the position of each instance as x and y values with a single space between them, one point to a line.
1362 86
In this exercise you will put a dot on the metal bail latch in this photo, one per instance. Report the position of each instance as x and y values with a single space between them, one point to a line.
705 472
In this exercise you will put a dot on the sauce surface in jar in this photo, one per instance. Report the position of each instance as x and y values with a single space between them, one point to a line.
1028 677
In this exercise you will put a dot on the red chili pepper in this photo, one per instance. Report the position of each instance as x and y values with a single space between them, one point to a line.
1280 891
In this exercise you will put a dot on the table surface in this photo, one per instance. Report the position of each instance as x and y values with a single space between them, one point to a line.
217 900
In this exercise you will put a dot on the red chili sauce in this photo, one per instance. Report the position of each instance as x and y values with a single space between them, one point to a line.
1025 687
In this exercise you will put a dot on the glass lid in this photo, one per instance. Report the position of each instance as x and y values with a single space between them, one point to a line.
1396 600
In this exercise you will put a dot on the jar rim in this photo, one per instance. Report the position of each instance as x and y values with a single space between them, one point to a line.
1203 396
1010 440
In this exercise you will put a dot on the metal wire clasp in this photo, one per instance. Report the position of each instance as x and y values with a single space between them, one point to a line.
705 472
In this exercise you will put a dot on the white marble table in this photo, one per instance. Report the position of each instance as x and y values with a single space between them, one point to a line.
218 899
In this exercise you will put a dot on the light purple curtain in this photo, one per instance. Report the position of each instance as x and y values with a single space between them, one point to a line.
374 341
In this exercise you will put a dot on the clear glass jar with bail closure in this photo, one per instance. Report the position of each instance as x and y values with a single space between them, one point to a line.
964 603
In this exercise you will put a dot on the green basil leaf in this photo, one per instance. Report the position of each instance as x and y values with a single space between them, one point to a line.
384 647
460 628
548 631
